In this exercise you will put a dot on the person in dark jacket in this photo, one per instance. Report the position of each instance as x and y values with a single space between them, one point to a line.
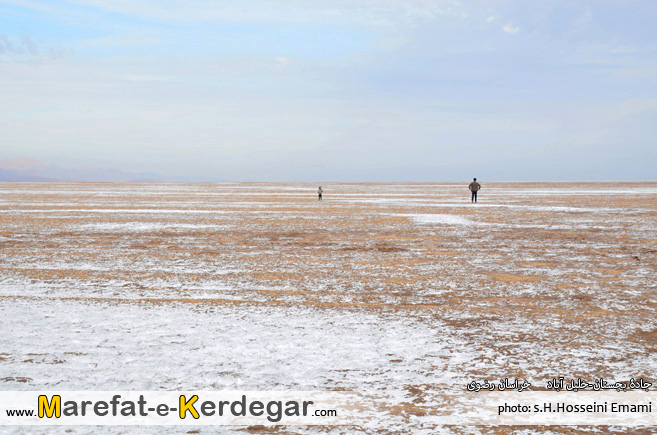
474 188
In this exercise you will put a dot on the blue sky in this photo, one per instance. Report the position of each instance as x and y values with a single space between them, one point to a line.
352 90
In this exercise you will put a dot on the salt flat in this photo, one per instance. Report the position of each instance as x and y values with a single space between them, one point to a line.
401 292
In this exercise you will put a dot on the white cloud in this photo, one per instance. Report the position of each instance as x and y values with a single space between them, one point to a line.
148 78
24 49
510 29
127 41
21 45
491 19
364 12
282 61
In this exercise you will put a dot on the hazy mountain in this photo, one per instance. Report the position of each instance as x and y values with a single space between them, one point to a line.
23 169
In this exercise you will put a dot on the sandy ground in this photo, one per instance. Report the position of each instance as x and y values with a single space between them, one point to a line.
400 292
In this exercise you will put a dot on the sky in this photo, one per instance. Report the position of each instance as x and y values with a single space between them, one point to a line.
334 90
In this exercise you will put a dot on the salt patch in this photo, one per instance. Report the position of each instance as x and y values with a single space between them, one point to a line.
445 219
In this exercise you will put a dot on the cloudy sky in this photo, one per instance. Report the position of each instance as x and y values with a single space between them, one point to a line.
323 90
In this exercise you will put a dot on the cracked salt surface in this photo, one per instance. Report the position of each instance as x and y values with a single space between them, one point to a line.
278 291
110 347
215 346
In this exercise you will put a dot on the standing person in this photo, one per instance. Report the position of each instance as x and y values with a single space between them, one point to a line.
319 193
474 188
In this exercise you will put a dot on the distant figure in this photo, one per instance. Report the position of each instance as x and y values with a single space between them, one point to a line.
319 193
474 188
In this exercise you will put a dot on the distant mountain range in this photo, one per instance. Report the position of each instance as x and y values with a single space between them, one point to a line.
23 169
